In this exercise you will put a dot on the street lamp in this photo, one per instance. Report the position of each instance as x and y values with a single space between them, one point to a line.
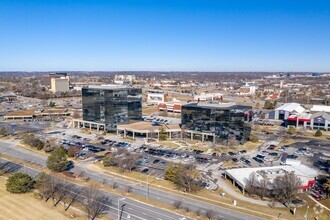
119 207
147 193
306 214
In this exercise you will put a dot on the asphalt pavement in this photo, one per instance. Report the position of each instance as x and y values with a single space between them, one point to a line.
154 194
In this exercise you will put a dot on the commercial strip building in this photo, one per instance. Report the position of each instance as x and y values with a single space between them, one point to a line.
8 98
294 114
174 106
206 97
41 114
215 121
240 176
110 105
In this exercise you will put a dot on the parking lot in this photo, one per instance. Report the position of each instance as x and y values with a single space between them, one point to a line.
154 157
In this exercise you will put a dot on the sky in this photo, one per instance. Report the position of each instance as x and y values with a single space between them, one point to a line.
165 35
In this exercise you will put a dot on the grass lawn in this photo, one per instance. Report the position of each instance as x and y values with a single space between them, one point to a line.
326 202
211 197
168 144
24 206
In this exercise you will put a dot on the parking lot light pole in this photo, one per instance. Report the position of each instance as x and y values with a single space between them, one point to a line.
119 207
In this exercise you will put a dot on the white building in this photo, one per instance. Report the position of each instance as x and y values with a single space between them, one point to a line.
124 79
319 121
248 89
320 108
284 111
60 84
156 96
240 176
204 97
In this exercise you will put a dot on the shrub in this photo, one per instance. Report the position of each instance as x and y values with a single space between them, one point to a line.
292 130
253 138
318 133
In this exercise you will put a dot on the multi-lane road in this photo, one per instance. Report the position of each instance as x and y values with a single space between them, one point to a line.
134 209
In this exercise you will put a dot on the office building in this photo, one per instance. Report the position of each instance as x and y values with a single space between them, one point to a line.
111 104
59 82
215 121
156 96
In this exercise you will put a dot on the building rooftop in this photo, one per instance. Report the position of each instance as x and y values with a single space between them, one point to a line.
290 107
22 113
242 175
321 114
147 126
218 105
320 108
107 86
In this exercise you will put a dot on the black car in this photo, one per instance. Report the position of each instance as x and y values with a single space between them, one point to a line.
235 159
145 170
155 161
291 156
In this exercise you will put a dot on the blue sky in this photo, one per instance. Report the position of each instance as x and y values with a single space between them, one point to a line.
165 35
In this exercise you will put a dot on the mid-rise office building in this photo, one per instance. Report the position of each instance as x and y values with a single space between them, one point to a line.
216 121
111 104
59 82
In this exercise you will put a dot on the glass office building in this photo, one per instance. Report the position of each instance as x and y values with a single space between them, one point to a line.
223 121
111 104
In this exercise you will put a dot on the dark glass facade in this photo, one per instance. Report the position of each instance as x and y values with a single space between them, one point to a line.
225 122
111 105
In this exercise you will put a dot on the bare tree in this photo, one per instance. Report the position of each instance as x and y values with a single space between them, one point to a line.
95 203
73 194
80 173
263 187
286 187
61 193
177 204
251 183
187 178
210 214
187 209
47 186
129 189
114 185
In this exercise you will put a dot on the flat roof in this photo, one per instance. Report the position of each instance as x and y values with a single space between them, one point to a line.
144 126
107 86
21 113
320 108
241 175
218 105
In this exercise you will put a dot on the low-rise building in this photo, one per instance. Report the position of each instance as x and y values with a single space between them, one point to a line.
240 176
206 97
156 96
284 111
173 106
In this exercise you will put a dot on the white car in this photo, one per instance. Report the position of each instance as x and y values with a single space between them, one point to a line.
309 154
267 159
